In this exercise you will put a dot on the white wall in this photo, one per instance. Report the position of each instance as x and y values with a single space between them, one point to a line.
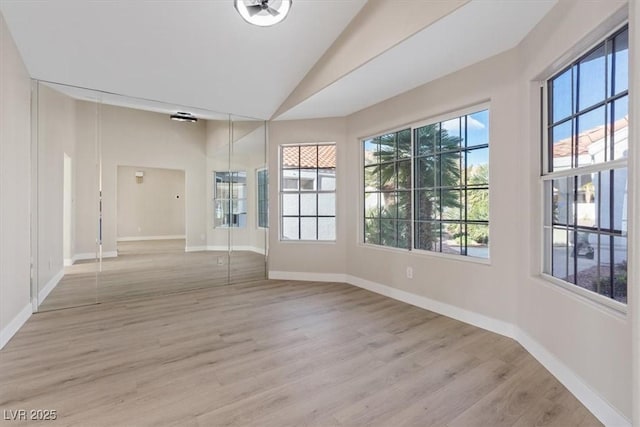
15 165
145 139
248 155
321 257
585 345
151 206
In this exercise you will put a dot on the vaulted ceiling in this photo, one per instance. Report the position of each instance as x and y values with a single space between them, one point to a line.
328 58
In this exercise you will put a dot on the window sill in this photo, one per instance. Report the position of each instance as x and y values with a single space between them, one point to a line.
321 242
427 254
592 298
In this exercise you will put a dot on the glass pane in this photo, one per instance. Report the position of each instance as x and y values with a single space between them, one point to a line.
563 192
591 79
602 282
290 204
620 269
388 231
477 167
478 128
308 204
453 238
449 168
620 200
451 206
326 179
308 179
290 229
404 235
450 138
621 62
478 240
370 151
586 201
308 156
426 172
561 147
327 204
427 205
327 156
427 139
387 148
620 128
404 174
326 229
603 182
404 205
561 95
372 205
388 176
592 145
290 179
372 231
562 257
308 228
389 206
291 157
371 178
404 144
428 236
477 205
221 213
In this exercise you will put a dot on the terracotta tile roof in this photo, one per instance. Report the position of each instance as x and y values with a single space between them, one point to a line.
310 156
562 148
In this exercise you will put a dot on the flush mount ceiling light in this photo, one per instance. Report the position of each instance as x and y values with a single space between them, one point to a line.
184 117
263 13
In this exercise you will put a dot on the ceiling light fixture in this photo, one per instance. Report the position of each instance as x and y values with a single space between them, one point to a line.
263 13
184 117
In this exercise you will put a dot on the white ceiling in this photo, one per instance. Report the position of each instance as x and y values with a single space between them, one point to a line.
197 53
200 56
475 31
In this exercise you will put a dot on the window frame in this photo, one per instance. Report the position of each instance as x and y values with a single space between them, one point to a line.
547 175
413 126
265 170
229 200
298 191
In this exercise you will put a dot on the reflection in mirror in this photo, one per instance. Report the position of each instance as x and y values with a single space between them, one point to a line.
138 204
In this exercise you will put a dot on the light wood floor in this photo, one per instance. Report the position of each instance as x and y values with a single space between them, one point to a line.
276 353
150 268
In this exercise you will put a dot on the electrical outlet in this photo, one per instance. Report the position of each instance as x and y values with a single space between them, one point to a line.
409 273
220 260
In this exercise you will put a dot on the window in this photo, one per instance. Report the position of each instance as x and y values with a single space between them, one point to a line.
230 199
263 197
585 170
443 169
308 192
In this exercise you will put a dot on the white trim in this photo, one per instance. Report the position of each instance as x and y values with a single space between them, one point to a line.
14 326
195 248
470 317
142 238
308 277
222 248
601 409
51 284
93 255
68 262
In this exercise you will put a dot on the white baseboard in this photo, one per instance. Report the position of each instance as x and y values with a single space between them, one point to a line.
255 249
93 255
49 286
10 330
143 238
68 262
599 407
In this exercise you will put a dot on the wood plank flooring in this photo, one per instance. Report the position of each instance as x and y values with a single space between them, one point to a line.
275 353
145 268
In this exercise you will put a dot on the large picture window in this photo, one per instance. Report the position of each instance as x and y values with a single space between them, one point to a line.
230 199
426 187
585 170
308 192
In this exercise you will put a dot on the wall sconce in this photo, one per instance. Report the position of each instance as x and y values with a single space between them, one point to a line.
139 176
